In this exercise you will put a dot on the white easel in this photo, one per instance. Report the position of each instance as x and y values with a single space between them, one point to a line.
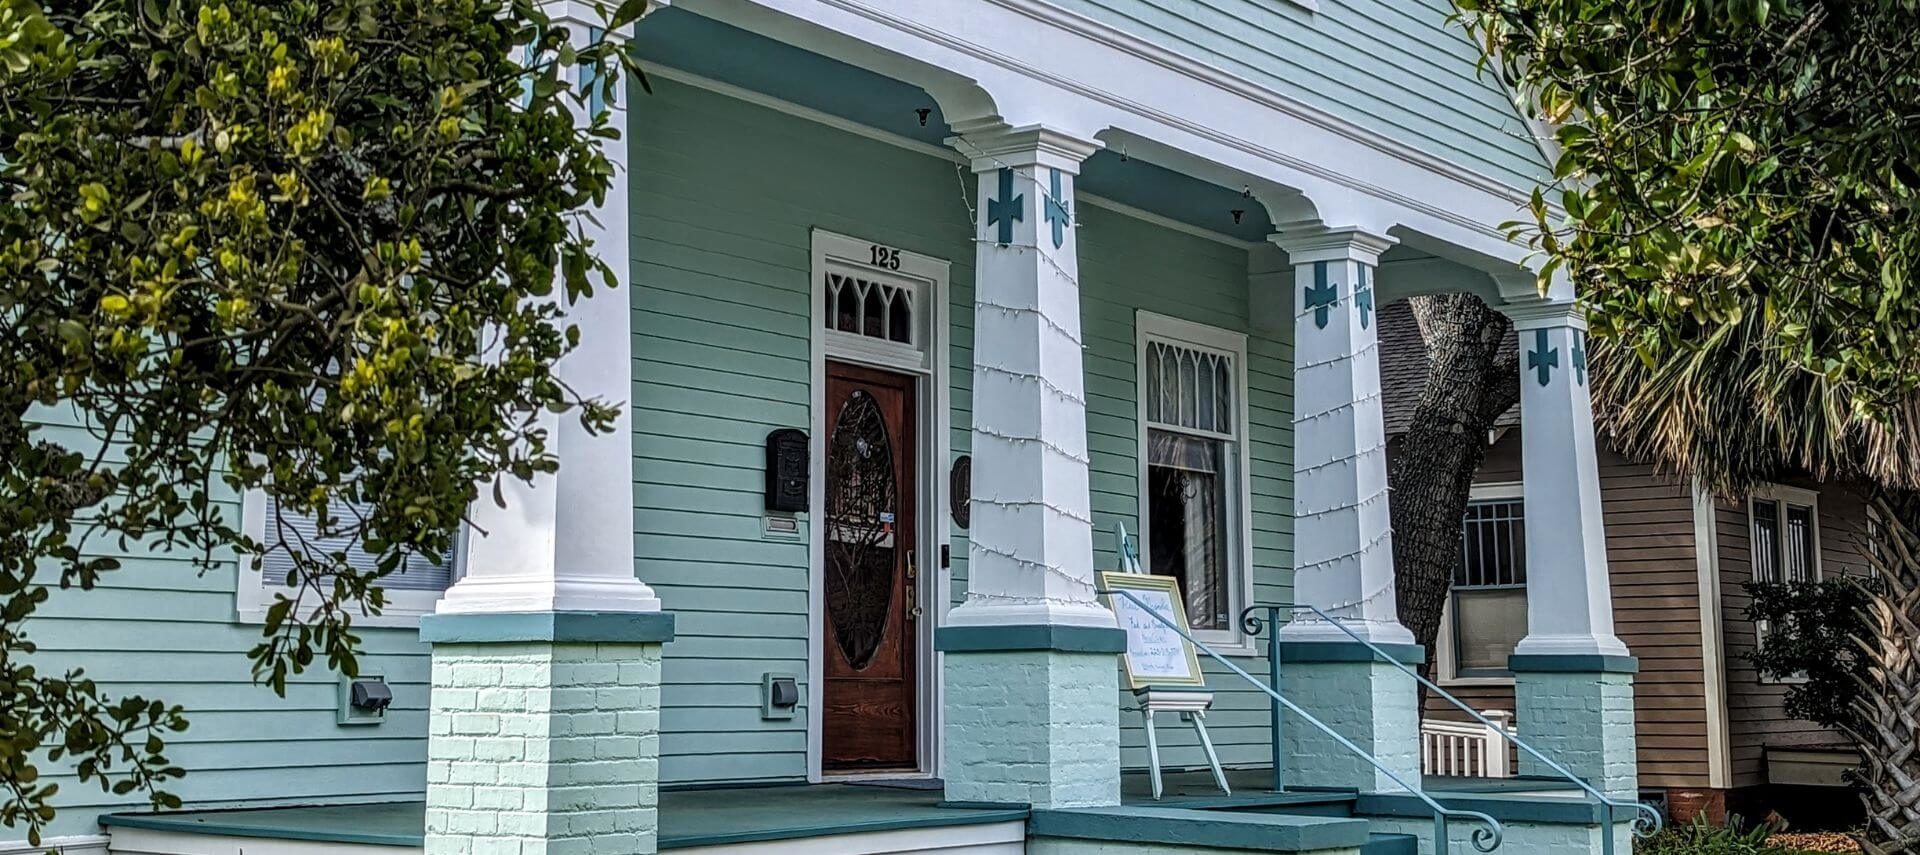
1191 703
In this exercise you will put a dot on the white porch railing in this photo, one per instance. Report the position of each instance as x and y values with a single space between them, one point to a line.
1465 749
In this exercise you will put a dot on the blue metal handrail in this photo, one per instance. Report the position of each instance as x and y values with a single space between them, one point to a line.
1646 820
1485 839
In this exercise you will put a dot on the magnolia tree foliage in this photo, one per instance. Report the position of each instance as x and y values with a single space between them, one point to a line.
1730 162
314 248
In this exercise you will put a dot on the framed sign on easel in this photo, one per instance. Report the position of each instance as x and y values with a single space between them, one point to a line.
1162 666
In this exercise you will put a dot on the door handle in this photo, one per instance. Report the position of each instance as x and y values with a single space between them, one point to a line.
912 570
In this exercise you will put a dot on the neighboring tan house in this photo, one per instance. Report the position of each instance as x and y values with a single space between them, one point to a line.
1713 734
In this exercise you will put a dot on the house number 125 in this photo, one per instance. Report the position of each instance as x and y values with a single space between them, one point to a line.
885 257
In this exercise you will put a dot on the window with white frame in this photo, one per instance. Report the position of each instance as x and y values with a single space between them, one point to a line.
411 591
1193 467
1487 609
1784 544
1786 535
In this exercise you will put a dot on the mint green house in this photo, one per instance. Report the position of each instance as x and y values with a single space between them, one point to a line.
927 299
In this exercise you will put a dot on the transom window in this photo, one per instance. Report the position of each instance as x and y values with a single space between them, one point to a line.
1193 436
1489 600
869 308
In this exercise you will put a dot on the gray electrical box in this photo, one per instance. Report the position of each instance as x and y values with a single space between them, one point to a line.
779 696
364 699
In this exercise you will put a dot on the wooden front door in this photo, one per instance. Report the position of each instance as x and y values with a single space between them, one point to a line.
871 629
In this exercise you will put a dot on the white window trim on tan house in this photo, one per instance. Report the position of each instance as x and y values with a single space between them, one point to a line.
1446 653
1783 498
1151 329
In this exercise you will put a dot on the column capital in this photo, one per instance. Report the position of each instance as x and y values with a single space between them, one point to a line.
1546 314
1308 243
995 145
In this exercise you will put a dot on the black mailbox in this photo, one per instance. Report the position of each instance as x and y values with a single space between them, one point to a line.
787 470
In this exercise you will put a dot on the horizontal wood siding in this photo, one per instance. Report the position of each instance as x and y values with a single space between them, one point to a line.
1756 713
162 628
1655 581
1396 67
725 198
1126 266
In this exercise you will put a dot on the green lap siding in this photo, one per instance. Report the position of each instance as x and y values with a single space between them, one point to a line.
1395 67
1126 266
160 628
726 195
725 198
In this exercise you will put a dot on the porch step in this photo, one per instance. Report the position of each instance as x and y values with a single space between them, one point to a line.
1391 844
1228 831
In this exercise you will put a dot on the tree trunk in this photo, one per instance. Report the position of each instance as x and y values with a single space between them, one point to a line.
1888 706
1471 381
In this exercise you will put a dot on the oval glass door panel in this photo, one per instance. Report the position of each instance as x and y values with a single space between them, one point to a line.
862 507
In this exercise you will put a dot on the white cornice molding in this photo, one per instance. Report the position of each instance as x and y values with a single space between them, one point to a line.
1044 12
1309 243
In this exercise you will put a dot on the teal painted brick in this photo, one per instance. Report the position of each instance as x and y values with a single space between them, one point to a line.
1370 703
1583 721
541 747
1033 727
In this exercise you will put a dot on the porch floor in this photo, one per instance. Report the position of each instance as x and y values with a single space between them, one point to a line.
734 815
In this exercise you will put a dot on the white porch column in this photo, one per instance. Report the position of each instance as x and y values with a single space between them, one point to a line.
544 717
1569 602
1573 677
1030 558
1342 532
1031 684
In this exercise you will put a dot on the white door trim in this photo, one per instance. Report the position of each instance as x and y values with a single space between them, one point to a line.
929 361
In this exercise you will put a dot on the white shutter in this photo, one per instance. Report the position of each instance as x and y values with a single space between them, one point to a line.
298 531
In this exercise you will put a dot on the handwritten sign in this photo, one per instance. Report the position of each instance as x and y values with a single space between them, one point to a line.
1156 654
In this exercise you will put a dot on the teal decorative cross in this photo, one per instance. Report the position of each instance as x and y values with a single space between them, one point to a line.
1363 297
1580 356
1008 209
1320 295
1544 357
1057 211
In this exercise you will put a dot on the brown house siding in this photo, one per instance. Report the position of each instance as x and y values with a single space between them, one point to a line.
1756 714
1655 577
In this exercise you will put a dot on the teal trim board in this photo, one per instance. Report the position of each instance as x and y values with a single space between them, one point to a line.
556 627
1506 807
688 818
1545 663
385 824
1262 832
1349 651
1068 639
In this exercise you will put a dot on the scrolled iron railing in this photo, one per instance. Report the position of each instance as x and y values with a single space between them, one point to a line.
1646 820
1485 839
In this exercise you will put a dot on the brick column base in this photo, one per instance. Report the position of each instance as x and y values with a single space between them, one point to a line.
1578 710
544 744
1364 699
1032 715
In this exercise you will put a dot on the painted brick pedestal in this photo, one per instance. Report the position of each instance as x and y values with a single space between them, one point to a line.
544 732
1031 716
1363 699
1578 710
